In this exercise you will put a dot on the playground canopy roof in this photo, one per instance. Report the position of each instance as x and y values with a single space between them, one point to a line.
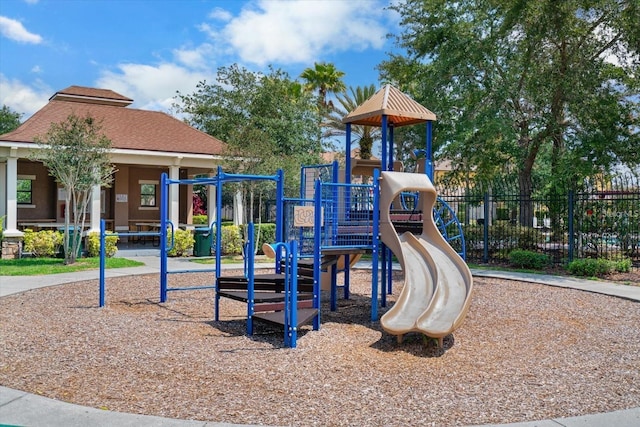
399 108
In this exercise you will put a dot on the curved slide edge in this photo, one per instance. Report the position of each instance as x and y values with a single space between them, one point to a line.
438 284
419 287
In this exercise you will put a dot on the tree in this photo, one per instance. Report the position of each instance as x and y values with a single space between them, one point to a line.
364 135
76 154
515 82
9 120
326 79
267 121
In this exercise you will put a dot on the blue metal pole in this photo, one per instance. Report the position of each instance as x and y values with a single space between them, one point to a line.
429 155
317 237
164 202
293 277
219 219
279 214
375 235
218 240
250 279
102 261
284 247
390 164
279 205
347 154
383 165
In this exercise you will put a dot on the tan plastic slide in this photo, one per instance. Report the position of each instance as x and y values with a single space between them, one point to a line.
437 282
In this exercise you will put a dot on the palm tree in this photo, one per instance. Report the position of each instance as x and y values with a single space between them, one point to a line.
324 78
364 136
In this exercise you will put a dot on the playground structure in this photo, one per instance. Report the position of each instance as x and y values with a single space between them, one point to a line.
331 224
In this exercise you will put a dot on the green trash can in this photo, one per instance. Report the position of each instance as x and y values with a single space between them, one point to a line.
73 236
202 243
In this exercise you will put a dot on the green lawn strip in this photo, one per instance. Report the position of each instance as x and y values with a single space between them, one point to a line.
511 269
42 266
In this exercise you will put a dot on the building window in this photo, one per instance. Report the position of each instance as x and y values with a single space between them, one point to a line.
25 191
148 195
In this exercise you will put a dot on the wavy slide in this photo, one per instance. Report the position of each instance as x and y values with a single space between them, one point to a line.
437 287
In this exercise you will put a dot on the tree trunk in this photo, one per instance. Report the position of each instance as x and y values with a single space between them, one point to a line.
525 185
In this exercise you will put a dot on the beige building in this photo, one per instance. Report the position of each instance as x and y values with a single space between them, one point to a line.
144 145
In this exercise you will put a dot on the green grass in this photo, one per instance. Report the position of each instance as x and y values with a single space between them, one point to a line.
504 268
42 266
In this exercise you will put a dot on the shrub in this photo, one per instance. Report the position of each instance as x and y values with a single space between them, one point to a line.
263 233
231 240
503 238
591 267
201 219
93 245
528 259
45 243
622 265
182 242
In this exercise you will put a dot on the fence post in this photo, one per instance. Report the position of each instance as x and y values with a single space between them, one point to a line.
571 226
485 235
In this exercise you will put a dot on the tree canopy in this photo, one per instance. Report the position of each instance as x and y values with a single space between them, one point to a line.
364 136
267 121
326 79
76 153
9 120
538 88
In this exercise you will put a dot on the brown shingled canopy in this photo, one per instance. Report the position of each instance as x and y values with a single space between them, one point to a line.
127 128
93 95
400 110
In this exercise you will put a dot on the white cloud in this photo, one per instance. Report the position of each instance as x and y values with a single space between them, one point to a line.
14 30
300 31
199 57
220 14
151 87
22 98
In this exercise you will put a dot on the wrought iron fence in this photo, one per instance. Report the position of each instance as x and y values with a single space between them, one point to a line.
600 218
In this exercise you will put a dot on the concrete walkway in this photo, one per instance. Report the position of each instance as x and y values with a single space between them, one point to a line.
18 408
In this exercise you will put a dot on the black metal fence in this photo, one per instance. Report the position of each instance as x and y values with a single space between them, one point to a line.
599 218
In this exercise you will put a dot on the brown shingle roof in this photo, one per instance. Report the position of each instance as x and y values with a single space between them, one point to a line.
92 96
127 128
400 110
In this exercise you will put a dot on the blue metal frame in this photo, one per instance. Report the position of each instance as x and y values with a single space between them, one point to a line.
103 254
222 178
337 212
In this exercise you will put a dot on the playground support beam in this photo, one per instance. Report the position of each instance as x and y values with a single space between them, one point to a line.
164 189
347 163
383 162
429 155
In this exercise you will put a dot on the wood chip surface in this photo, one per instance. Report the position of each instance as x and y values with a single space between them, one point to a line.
525 352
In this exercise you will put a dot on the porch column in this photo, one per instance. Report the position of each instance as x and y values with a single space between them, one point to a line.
3 190
11 220
95 209
211 204
174 196
238 209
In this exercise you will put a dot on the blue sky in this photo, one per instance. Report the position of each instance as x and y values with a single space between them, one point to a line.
149 49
